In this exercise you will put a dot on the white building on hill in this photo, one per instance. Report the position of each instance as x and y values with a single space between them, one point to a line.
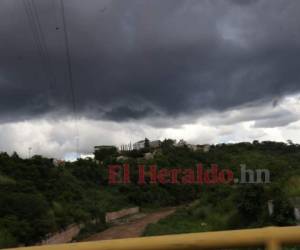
141 144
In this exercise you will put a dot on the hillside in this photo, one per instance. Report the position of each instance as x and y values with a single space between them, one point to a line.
37 197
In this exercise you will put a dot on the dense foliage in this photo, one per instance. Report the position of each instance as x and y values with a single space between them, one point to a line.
224 207
38 198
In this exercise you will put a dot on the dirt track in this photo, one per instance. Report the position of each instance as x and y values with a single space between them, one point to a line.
131 229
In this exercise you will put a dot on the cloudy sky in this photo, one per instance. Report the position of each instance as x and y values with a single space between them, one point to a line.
207 71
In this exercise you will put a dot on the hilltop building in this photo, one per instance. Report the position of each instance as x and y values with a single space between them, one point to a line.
204 148
58 163
141 144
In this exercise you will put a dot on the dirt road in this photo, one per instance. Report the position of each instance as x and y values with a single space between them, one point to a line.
131 229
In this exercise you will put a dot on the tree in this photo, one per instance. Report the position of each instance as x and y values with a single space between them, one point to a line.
283 214
147 143
251 204
7 239
103 152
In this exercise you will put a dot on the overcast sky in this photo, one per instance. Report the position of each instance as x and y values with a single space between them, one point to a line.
207 71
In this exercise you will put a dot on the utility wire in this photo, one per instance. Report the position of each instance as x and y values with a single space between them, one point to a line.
70 73
40 42
44 45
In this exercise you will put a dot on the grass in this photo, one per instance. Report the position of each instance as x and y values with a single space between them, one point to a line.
293 187
190 219
5 180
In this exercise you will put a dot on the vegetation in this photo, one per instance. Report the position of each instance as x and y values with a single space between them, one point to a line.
228 207
222 208
38 198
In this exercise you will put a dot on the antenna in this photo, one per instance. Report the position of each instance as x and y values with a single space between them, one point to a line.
29 152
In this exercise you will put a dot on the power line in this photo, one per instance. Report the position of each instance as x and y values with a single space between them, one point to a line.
40 43
70 73
33 28
44 44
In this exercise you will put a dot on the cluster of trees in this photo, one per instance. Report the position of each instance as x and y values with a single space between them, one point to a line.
226 207
38 198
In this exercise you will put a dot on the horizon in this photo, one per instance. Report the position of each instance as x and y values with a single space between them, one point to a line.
73 156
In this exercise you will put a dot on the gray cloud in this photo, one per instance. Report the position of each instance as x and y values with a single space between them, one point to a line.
262 115
244 2
280 121
57 137
136 59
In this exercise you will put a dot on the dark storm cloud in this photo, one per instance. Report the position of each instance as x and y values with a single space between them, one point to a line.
135 59
244 2
281 121
264 116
